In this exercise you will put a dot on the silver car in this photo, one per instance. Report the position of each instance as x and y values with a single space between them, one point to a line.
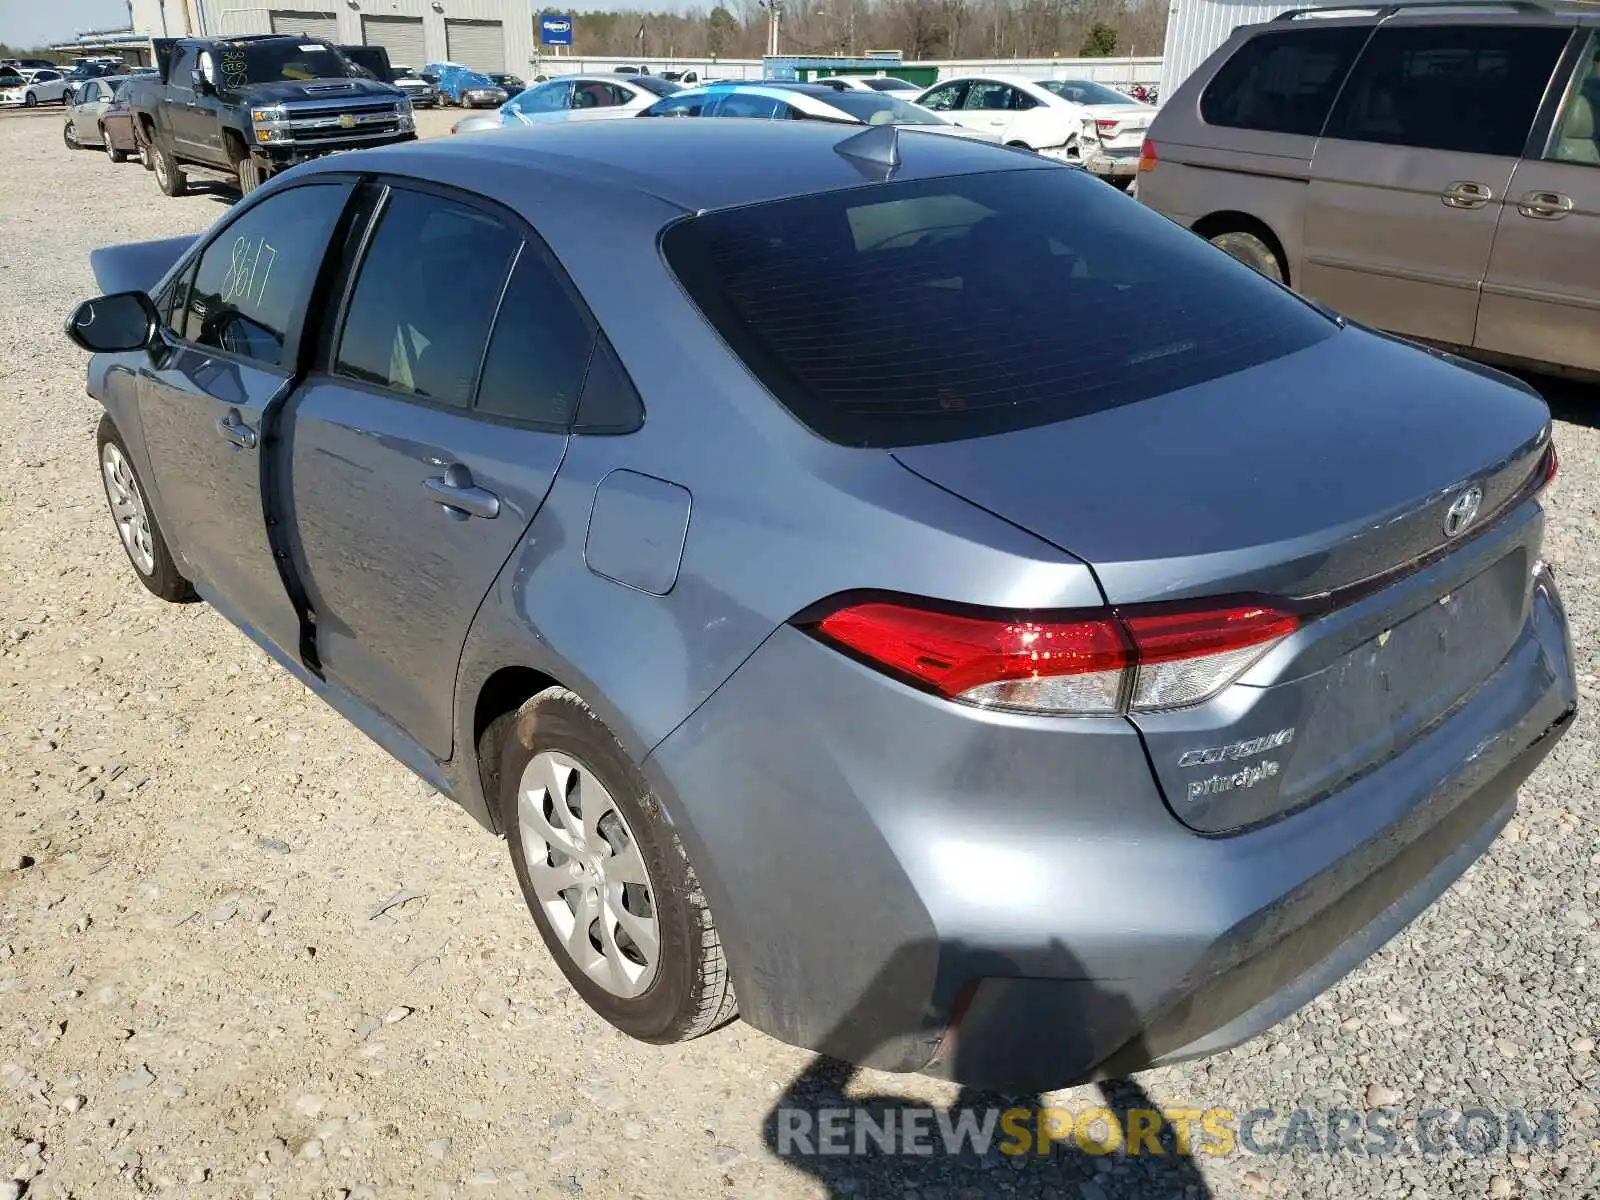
946 614
85 126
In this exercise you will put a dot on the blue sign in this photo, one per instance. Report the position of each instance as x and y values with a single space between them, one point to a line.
555 31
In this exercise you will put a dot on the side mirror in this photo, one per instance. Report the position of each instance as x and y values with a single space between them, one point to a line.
202 85
109 324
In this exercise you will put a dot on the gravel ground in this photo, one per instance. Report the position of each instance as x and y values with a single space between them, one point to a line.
202 991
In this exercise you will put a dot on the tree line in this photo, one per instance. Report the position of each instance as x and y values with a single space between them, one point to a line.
920 29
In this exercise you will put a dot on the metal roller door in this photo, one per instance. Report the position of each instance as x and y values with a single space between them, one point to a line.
480 45
324 25
400 36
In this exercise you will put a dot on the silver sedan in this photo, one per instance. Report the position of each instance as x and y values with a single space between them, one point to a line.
574 98
86 110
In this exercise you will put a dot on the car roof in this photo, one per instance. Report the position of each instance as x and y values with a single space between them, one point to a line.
698 165
1450 12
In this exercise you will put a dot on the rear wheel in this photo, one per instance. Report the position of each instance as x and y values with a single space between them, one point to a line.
169 176
141 536
115 155
1252 251
606 879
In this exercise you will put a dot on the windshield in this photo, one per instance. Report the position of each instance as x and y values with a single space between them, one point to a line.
281 62
1084 91
874 108
507 80
405 73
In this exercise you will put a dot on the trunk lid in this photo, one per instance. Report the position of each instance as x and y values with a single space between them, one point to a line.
1118 126
1323 477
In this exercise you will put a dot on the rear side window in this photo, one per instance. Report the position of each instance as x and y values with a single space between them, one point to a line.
419 318
1468 88
927 311
1282 82
539 350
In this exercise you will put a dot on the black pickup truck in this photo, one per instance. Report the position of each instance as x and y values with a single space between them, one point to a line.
248 107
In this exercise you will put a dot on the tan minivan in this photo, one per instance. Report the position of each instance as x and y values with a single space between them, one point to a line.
1433 173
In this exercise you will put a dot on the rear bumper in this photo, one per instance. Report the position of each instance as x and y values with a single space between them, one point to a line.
1007 902
1111 166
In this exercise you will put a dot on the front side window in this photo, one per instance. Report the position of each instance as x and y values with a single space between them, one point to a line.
547 97
945 98
254 280
1577 135
987 95
1282 82
1472 88
689 104
425 297
932 310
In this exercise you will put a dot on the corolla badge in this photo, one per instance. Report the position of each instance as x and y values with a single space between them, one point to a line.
1463 511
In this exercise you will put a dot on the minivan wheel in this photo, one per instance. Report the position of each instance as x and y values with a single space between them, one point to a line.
606 879
1252 252
136 526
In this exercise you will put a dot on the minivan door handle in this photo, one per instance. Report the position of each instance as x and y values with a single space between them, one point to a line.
1466 194
1545 206
460 497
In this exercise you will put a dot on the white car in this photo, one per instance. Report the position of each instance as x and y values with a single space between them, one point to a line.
872 83
39 87
418 90
781 101
574 98
1075 119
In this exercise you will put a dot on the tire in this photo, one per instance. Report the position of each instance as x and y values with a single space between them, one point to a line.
30 100
115 155
1253 252
169 176
554 751
250 175
141 537
146 156
69 135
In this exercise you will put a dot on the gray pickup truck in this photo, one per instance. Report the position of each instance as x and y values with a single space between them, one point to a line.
246 108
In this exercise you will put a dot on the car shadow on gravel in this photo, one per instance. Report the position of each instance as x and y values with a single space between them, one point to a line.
1576 401
987 1143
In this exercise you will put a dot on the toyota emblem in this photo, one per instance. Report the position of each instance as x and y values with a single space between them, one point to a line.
1463 511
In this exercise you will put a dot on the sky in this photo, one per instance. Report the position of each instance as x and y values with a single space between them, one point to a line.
40 22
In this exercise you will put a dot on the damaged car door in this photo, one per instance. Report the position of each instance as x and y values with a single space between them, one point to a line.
221 366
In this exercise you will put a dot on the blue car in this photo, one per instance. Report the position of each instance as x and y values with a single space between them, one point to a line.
953 618
465 87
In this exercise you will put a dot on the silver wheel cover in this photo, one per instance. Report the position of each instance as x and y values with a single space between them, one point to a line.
127 508
587 874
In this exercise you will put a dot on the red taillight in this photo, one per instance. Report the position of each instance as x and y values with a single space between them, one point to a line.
1106 126
1147 156
1078 663
1551 467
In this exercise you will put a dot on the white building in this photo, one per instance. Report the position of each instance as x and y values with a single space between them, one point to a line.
1195 28
489 35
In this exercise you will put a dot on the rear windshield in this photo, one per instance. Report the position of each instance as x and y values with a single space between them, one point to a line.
1084 91
927 311
658 87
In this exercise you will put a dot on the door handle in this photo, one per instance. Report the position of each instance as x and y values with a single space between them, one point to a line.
455 492
1545 206
1466 194
233 428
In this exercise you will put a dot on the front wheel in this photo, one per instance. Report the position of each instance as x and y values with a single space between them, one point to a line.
169 176
141 536
605 877
251 176
69 135
1252 251
30 100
